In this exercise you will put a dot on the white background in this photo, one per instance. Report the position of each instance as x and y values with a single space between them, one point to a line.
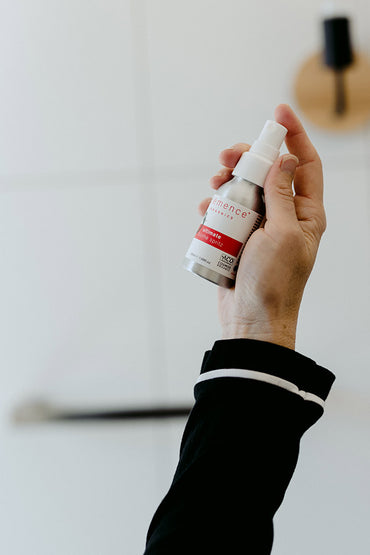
112 115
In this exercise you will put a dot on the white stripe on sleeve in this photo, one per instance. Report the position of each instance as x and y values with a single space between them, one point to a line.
262 377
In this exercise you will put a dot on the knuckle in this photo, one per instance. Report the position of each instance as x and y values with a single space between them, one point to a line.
318 161
285 190
323 223
282 188
320 221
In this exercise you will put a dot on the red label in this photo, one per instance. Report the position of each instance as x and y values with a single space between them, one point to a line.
219 240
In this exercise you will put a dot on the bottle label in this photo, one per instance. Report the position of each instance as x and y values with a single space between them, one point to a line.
219 241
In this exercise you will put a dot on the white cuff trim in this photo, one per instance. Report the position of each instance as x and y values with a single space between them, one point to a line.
262 377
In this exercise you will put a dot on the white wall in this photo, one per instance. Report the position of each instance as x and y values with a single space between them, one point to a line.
112 117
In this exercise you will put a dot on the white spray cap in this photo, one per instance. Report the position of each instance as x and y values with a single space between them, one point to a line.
255 164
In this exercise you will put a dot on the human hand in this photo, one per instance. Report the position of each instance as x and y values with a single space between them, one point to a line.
278 258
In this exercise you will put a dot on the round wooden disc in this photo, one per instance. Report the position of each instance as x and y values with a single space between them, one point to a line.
315 93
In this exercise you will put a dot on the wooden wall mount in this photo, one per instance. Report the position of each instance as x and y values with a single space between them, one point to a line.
314 92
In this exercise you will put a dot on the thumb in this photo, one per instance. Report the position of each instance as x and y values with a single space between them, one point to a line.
278 190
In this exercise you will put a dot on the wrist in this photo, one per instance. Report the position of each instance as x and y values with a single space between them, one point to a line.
279 332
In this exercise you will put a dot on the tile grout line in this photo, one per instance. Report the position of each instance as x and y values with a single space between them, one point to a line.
155 331
366 143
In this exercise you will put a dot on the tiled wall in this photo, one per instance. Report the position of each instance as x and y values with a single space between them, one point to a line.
112 117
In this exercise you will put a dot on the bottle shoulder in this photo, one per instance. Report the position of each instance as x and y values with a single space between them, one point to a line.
245 193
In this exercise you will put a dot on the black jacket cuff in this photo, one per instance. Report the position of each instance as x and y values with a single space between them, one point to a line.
272 359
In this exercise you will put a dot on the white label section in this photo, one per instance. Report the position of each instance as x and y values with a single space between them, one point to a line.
220 239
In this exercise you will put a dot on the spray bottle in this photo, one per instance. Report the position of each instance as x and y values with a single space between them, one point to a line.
235 212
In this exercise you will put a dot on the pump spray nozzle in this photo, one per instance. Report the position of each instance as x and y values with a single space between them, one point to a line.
255 164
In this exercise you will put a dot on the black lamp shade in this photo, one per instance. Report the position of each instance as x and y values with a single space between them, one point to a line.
337 50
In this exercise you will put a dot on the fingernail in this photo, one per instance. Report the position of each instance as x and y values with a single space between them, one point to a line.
289 163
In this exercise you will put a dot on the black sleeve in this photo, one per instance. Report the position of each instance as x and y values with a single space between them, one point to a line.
254 401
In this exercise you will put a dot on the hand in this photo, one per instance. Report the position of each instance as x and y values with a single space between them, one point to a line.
278 258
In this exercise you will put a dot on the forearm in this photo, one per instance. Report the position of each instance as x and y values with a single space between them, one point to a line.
239 449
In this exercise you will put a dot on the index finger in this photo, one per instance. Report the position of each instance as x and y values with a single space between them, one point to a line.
308 180
230 156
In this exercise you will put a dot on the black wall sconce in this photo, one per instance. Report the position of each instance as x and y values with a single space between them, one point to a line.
332 87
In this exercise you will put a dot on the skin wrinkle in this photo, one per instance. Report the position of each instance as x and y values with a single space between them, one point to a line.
305 163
